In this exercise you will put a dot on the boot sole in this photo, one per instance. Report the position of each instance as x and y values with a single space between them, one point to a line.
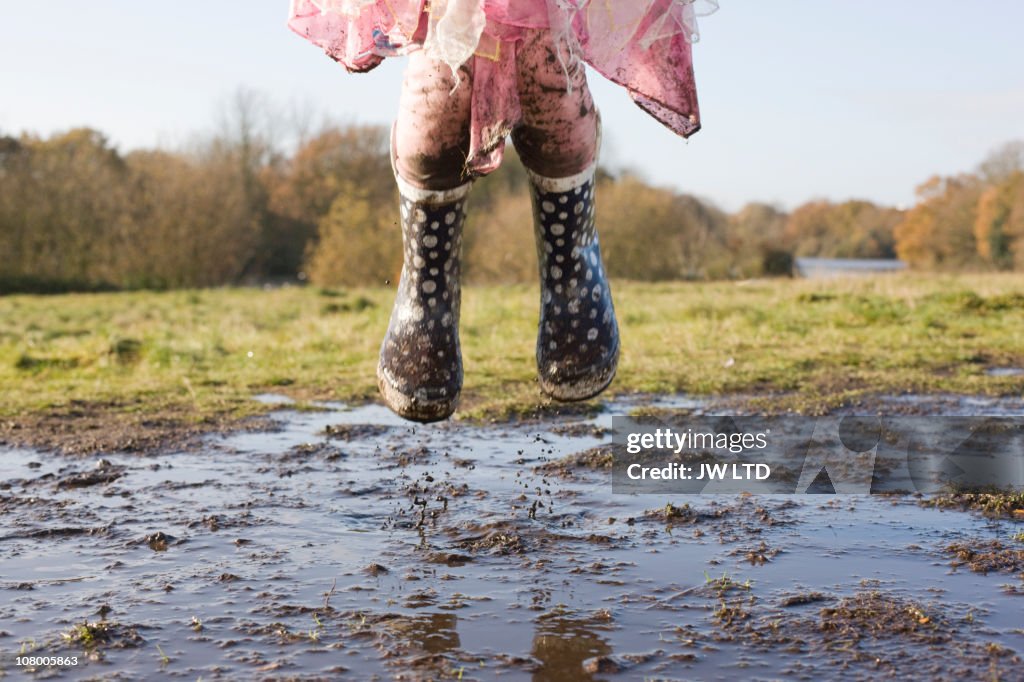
412 408
580 389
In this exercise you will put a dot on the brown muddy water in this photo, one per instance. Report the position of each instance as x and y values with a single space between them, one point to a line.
347 544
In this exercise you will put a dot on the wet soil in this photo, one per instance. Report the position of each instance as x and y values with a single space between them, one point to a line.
88 428
349 544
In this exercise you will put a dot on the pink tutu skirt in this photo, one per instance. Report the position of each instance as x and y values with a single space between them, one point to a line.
643 45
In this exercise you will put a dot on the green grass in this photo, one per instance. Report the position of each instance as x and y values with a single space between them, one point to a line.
817 343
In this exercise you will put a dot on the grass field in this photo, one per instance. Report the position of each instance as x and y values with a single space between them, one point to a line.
194 358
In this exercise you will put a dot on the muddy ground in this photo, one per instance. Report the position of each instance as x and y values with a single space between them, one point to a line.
348 544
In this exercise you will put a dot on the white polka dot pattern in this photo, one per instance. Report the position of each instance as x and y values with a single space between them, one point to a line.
574 296
420 369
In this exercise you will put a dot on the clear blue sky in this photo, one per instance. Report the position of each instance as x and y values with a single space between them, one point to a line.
800 98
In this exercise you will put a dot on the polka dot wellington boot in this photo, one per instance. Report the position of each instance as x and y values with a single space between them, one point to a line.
420 369
578 339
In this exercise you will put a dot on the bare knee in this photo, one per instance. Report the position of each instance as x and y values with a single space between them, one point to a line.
555 153
435 168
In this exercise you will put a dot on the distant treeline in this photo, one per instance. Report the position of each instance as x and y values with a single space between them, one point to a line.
76 214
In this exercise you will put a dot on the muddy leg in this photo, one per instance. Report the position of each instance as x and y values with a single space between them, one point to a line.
558 136
431 136
578 337
420 368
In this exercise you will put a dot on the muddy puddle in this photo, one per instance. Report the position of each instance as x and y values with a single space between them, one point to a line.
347 544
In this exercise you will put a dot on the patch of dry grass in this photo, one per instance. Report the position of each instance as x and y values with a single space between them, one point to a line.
814 343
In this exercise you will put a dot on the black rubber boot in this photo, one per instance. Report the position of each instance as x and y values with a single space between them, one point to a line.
578 339
420 369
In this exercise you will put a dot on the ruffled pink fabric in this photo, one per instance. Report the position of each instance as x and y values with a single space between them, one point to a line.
643 46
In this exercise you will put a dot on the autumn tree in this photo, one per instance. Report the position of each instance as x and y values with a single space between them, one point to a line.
63 202
302 189
650 234
756 242
999 223
938 231
193 221
498 243
499 246
358 243
850 229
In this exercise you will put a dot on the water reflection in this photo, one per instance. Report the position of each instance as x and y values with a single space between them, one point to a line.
562 644
434 633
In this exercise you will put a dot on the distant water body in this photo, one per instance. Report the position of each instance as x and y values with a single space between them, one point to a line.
818 268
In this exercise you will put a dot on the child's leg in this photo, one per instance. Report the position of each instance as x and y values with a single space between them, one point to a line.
420 368
558 136
432 131
578 339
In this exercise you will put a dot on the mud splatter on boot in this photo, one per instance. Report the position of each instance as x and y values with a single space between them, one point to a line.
578 339
420 369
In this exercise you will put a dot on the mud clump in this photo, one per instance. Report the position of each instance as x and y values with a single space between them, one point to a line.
894 637
860 619
103 634
672 514
758 556
996 504
990 556
730 613
355 432
580 431
877 616
448 558
598 665
305 451
500 542
87 479
802 598
598 458
160 541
